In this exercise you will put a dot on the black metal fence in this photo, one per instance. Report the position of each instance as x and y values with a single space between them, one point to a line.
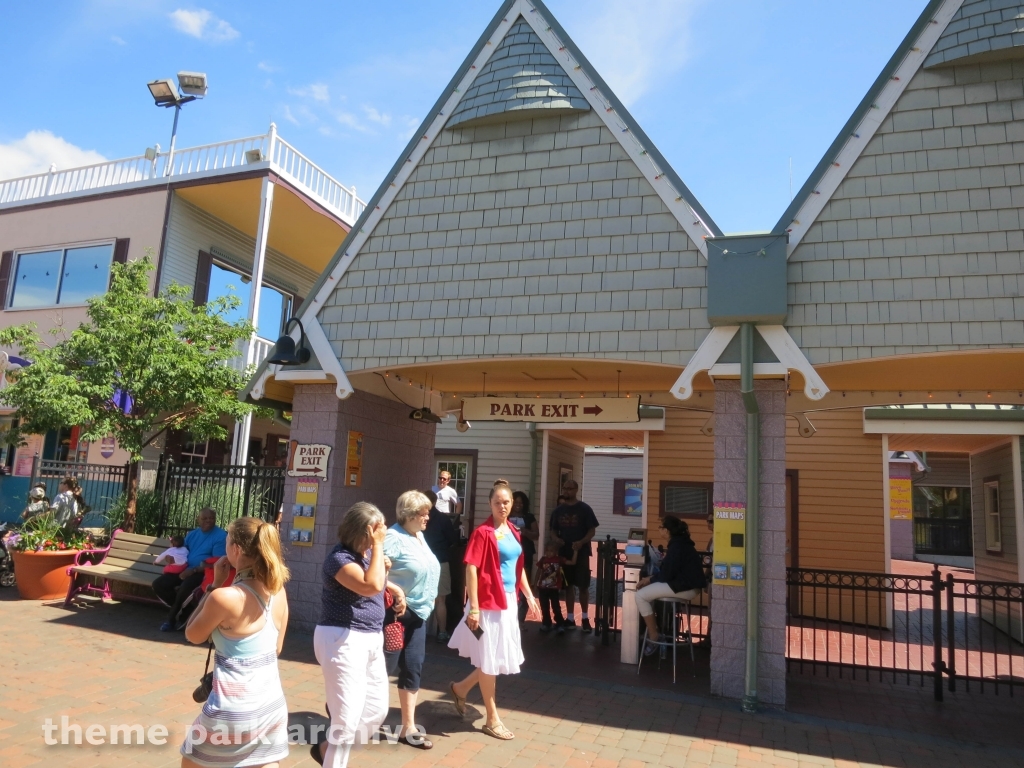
233 490
609 583
102 484
907 628
941 536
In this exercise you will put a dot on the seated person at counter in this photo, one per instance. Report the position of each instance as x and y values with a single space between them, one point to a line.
681 575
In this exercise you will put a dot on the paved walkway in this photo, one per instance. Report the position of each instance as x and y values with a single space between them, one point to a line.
106 664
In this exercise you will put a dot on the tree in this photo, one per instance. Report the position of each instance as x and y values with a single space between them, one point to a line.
140 366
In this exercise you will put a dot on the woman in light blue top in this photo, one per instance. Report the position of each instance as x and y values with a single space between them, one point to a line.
413 580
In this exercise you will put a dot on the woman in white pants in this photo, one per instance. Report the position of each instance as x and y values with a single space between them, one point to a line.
349 640
681 575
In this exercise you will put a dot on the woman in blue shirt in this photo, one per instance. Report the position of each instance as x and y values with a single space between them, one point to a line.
415 570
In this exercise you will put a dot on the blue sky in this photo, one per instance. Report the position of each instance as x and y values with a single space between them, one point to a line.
729 90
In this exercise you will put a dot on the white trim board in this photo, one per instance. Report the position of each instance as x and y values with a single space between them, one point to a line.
644 425
868 126
941 427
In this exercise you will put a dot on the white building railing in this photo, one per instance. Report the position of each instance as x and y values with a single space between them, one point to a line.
157 167
261 349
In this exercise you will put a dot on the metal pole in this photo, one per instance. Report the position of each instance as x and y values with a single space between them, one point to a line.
937 663
751 534
174 135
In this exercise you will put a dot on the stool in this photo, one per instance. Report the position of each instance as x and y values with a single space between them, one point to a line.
674 607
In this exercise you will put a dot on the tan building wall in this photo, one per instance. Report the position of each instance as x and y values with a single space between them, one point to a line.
138 217
681 453
841 507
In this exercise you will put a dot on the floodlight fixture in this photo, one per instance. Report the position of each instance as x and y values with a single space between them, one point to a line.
165 94
193 83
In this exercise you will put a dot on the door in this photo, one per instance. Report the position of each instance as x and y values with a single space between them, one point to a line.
463 472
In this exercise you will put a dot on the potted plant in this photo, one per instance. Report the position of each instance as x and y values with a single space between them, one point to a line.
42 552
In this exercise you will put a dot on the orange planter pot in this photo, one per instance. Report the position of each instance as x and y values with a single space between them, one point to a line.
43 575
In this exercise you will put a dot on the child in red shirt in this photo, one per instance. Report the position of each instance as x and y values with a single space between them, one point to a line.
549 580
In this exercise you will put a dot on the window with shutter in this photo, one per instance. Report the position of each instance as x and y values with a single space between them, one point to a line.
686 499
201 291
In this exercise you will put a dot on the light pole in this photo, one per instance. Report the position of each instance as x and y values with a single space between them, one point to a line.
191 86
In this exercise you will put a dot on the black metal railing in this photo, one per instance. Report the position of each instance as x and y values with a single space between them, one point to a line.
943 536
609 584
906 628
102 484
232 490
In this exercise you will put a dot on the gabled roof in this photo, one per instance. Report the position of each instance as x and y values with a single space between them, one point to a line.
854 137
584 81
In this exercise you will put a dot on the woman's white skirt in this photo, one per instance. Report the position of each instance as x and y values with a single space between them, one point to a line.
499 651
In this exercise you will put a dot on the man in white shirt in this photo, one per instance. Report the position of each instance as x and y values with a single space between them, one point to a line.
447 498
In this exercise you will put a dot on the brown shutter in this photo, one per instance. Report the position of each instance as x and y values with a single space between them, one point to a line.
619 497
201 293
120 255
6 265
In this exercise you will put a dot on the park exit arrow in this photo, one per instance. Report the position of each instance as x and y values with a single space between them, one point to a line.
594 410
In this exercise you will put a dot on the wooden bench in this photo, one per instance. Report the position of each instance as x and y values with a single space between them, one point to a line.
128 559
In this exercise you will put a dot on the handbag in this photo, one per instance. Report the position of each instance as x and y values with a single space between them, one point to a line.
202 691
394 631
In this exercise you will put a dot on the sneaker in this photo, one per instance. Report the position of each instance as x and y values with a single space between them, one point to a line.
559 630
568 624
443 637
587 629
650 648
167 627
545 628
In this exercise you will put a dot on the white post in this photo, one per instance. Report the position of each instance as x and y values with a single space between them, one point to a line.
271 142
49 177
887 534
542 506
240 448
644 499
1018 504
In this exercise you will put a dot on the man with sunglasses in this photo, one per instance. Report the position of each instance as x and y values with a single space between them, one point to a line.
447 497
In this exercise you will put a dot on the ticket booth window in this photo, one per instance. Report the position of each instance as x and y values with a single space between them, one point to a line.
993 521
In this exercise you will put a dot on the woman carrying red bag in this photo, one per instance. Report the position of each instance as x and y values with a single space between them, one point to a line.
489 634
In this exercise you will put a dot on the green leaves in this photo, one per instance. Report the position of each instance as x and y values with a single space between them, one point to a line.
167 354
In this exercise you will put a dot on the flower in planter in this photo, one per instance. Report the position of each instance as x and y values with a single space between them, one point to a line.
44 534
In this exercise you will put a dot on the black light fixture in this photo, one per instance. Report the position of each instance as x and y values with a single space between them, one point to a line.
284 351
425 414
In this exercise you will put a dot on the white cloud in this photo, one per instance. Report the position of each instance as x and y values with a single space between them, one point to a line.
37 150
374 116
408 127
634 44
351 121
289 116
315 91
266 66
203 25
118 40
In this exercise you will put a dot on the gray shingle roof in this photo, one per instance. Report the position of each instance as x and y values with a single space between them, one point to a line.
980 26
521 75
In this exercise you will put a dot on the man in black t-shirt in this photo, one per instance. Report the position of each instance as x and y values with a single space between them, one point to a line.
573 525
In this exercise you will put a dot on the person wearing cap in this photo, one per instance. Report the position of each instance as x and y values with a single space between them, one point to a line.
38 504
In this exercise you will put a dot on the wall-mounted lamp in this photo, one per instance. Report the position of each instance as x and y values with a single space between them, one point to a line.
284 351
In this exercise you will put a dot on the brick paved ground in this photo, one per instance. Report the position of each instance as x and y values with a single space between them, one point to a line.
107 664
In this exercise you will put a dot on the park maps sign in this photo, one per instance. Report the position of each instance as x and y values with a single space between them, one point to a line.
583 410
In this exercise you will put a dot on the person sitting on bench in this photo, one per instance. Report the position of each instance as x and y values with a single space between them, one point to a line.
206 541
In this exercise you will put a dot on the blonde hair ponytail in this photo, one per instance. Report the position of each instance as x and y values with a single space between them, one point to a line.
260 543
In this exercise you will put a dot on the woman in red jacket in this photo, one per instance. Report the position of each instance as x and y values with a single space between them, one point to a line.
489 634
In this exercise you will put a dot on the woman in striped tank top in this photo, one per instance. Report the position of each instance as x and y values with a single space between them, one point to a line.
244 722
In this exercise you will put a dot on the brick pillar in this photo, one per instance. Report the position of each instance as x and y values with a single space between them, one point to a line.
728 604
398 455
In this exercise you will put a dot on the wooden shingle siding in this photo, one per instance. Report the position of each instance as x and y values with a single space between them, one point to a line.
994 566
683 453
191 230
841 505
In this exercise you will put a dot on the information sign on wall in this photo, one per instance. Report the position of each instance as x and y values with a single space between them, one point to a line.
309 460
729 562
304 513
354 466
900 498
